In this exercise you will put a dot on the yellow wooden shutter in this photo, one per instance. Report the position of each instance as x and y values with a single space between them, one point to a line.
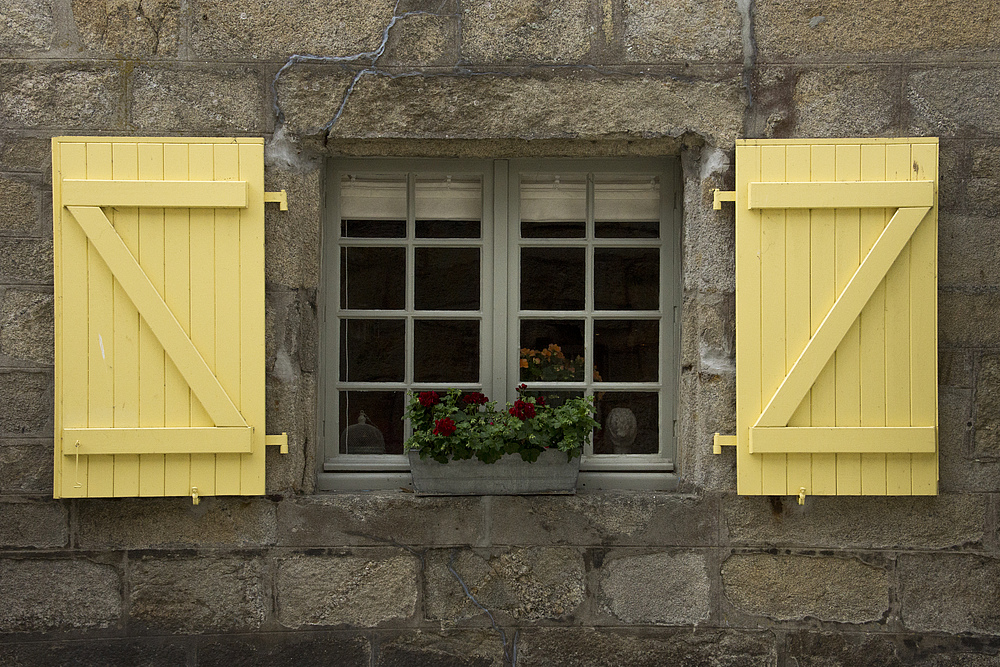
836 316
159 292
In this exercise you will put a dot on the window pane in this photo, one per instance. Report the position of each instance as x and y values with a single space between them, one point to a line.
553 278
448 229
554 398
449 207
446 351
373 278
626 278
553 206
552 351
372 350
629 423
446 279
627 206
626 350
373 205
381 429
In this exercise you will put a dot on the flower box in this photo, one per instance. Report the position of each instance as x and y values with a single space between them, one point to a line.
552 473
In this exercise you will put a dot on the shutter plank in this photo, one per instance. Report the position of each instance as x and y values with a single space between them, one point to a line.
152 379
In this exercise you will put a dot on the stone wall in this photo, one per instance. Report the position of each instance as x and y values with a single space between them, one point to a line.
698 577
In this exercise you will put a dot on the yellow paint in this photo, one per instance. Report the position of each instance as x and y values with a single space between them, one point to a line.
159 265
836 316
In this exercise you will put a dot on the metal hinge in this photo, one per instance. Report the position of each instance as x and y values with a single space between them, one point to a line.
722 441
720 196
277 441
279 197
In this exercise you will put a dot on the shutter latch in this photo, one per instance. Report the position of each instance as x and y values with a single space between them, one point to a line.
277 441
719 196
281 198
722 441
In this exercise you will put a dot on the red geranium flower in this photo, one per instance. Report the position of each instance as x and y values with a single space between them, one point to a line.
428 398
475 398
522 410
444 427
540 401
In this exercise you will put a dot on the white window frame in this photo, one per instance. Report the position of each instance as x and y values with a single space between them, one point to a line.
499 370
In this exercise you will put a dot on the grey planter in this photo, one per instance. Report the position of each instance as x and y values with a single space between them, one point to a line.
510 476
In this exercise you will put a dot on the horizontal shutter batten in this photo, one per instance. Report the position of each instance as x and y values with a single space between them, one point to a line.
862 194
158 440
843 439
155 194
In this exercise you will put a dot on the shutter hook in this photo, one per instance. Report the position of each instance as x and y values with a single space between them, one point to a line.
802 495
194 495
78 485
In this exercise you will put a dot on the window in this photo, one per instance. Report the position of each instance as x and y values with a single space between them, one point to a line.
563 274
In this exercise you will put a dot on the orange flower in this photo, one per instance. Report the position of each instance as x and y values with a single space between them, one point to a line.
524 363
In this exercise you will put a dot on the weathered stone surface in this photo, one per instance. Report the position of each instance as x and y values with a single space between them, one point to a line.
364 589
934 522
842 29
525 31
830 649
225 100
709 236
33 524
961 315
25 153
312 649
635 519
377 518
25 403
454 648
129 27
708 332
198 594
291 408
26 261
949 593
526 584
81 97
986 441
44 595
796 587
310 96
152 523
961 470
586 647
292 245
660 589
542 106
28 26
26 326
948 101
423 41
19 210
967 251
148 652
846 102
707 406
661 31
233 29
26 467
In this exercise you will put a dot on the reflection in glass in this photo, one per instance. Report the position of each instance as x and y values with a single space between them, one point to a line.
627 206
446 351
373 205
553 398
372 350
373 278
446 279
448 206
629 423
626 350
626 278
553 205
553 278
383 410
552 351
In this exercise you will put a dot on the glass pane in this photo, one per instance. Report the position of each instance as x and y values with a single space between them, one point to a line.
626 350
446 351
629 423
448 229
373 278
449 207
627 206
371 422
553 206
372 350
552 351
553 278
446 279
553 398
373 205
626 278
